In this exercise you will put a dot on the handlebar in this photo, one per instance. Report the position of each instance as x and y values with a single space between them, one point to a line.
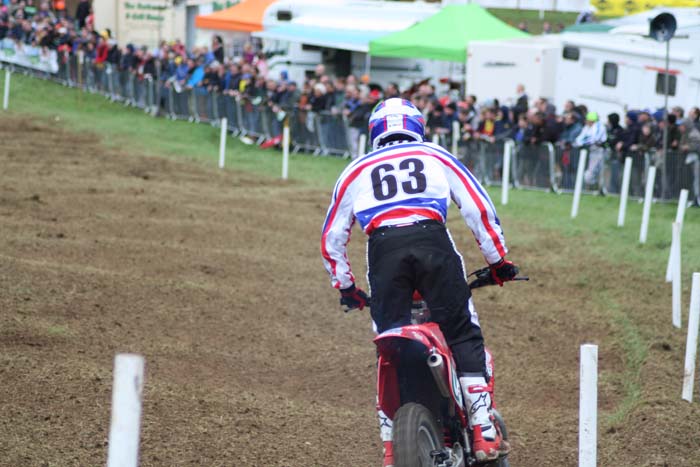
484 278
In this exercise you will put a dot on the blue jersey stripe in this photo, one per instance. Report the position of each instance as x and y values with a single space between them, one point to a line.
439 205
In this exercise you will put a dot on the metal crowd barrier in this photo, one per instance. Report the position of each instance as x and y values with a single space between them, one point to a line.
534 166
333 137
543 167
303 131
677 171
484 159
611 182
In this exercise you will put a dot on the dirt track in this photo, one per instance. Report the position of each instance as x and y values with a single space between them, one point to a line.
216 278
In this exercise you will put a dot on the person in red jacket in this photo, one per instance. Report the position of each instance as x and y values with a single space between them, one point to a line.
102 49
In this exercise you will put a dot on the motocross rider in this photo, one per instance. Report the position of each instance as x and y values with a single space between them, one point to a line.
400 193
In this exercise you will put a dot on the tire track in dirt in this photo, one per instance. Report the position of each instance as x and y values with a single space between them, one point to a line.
216 278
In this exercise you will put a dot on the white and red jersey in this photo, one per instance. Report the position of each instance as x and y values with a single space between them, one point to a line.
402 184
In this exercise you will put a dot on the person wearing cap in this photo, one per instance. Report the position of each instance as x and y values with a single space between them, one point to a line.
593 137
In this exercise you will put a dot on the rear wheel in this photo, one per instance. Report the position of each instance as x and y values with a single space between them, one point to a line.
415 435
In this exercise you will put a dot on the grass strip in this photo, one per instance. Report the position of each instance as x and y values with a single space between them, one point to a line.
634 352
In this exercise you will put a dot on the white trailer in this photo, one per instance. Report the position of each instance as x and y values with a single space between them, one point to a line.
614 73
607 72
495 68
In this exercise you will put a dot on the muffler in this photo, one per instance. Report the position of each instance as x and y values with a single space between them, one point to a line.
437 368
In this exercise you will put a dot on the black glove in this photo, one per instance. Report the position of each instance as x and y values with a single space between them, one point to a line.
503 271
352 298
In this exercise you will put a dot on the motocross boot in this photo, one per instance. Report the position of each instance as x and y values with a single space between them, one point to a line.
487 443
388 454
385 431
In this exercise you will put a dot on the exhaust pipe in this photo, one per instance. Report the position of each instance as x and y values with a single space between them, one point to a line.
437 368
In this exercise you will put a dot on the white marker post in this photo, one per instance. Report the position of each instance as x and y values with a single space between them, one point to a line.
578 187
126 411
505 178
691 345
6 95
222 143
285 152
588 407
680 215
624 192
676 274
455 136
648 193
362 145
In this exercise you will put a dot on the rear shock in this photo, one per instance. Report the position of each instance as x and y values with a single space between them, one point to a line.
447 433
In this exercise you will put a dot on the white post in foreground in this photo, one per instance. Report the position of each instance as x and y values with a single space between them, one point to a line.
285 152
625 191
505 177
676 274
691 345
222 142
126 411
648 193
588 407
455 136
578 187
362 145
680 215
6 95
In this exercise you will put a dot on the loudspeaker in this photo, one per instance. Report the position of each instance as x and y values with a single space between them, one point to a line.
663 27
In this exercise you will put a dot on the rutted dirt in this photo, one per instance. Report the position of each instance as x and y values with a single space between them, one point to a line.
215 277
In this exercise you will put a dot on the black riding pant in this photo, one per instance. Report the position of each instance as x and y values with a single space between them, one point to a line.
421 256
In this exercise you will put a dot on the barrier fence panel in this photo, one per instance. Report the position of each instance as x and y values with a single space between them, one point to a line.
251 119
226 105
271 122
332 134
612 180
533 166
540 166
492 162
198 98
678 171
177 104
302 129
469 153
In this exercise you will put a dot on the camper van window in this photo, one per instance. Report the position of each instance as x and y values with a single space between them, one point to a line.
610 74
660 78
571 53
284 15
310 48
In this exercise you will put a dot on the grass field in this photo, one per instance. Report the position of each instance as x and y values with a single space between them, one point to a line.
595 228
589 255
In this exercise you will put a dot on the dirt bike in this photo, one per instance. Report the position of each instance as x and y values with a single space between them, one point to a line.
418 388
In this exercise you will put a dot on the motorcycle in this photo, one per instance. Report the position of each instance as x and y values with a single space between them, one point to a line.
418 388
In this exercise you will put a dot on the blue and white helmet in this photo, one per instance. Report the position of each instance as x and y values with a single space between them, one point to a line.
395 116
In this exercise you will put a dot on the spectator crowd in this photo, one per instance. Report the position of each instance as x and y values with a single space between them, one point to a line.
206 70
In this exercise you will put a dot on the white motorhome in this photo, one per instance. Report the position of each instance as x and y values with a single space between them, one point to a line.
299 34
609 72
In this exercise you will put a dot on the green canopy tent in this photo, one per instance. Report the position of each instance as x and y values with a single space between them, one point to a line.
445 35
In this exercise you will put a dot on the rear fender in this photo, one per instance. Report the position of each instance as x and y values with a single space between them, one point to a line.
388 345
